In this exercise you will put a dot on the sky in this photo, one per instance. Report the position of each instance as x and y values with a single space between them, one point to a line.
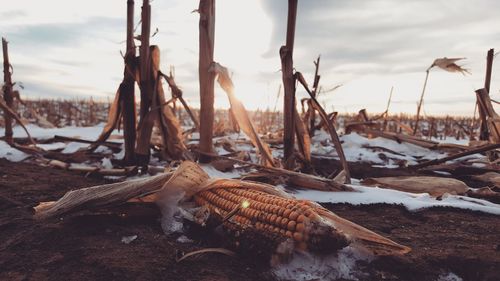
71 49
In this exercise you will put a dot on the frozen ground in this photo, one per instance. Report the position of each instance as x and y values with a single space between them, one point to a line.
365 195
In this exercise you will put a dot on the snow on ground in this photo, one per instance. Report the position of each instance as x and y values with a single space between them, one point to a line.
357 149
214 173
341 265
449 277
451 140
73 147
365 195
10 153
52 146
89 133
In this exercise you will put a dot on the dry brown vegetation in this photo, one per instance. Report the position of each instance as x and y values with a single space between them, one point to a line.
272 154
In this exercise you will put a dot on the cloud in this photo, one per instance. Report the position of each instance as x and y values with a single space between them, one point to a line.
368 46
388 33
12 14
37 89
71 63
52 35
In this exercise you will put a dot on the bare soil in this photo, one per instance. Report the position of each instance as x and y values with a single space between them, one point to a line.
87 245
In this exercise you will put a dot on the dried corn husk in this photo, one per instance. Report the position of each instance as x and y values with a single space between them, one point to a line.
435 186
241 115
449 65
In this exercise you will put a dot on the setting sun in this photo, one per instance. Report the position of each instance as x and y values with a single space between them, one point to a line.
243 35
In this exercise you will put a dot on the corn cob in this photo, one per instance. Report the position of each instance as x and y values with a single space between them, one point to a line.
275 218
265 218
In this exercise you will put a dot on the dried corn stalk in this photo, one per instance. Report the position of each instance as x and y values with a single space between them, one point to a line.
304 140
488 115
161 113
172 132
329 125
241 115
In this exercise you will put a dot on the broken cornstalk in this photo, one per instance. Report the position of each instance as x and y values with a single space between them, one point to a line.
177 94
314 91
7 92
124 102
206 78
127 90
286 55
489 66
146 85
419 107
483 131
329 125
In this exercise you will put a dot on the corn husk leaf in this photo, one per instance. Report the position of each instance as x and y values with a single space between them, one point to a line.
435 186
241 115
449 65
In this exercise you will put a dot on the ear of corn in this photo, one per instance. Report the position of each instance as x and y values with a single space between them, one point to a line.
275 218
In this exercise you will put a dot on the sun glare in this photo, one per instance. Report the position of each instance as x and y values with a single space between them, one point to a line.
243 35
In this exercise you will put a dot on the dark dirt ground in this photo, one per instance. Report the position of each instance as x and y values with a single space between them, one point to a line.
87 245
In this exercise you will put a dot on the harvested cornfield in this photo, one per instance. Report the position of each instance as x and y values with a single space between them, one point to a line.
143 141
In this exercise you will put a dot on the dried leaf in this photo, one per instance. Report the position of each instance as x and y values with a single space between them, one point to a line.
449 65
113 117
205 251
435 186
241 115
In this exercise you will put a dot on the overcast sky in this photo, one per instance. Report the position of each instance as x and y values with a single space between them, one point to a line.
67 49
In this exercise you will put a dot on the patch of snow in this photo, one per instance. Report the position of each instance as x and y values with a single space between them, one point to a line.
355 149
244 147
11 154
388 166
89 133
106 163
120 154
221 151
449 277
442 173
52 146
365 195
80 165
452 140
478 165
103 149
70 131
214 173
73 147
305 266
128 239
320 136
184 239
